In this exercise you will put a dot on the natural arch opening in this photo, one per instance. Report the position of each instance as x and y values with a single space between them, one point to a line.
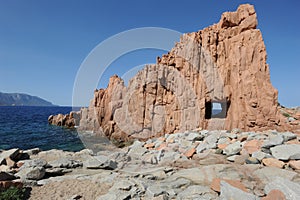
216 109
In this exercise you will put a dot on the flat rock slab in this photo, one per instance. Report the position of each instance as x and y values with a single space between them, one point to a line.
206 174
100 162
65 163
230 192
290 189
32 173
267 174
273 141
196 191
286 152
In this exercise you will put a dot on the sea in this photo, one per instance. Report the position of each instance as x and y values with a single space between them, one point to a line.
27 127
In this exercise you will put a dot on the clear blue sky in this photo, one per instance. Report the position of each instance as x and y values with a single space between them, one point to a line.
43 42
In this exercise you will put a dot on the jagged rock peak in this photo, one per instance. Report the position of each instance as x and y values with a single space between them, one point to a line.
222 64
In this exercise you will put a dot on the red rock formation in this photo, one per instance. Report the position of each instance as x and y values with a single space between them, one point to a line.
224 63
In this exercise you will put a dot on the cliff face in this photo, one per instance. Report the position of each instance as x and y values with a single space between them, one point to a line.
224 63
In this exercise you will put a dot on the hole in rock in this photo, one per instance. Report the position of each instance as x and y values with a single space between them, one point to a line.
216 109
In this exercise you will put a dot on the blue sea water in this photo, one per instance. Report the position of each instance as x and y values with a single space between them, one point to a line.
27 127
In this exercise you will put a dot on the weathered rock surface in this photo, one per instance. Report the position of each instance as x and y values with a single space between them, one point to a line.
290 189
100 162
68 120
164 168
230 192
223 63
286 152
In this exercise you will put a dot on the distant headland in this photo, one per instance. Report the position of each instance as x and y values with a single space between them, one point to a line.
19 99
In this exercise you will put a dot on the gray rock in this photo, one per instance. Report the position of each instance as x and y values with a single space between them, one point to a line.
288 136
267 174
194 191
291 119
57 171
252 160
259 155
170 137
194 136
122 195
230 192
231 158
206 174
100 162
4 176
201 147
273 141
212 138
32 173
223 140
291 190
235 131
123 185
65 163
233 149
12 154
155 190
54 154
31 152
177 182
150 158
185 143
231 135
286 152
160 154
170 157
137 150
34 163
205 133
157 144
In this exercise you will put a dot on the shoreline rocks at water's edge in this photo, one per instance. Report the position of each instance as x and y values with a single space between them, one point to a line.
194 164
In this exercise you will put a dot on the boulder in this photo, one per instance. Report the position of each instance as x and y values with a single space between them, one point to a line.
233 149
286 152
31 173
267 174
230 192
100 162
273 141
288 188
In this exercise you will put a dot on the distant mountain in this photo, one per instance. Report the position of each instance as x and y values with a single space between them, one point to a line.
18 99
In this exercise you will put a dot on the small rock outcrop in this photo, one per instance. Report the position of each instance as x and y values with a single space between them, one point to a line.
222 64
68 120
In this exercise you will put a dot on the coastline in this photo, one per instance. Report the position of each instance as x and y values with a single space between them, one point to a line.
194 164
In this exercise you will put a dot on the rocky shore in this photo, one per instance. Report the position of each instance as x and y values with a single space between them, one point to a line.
197 164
